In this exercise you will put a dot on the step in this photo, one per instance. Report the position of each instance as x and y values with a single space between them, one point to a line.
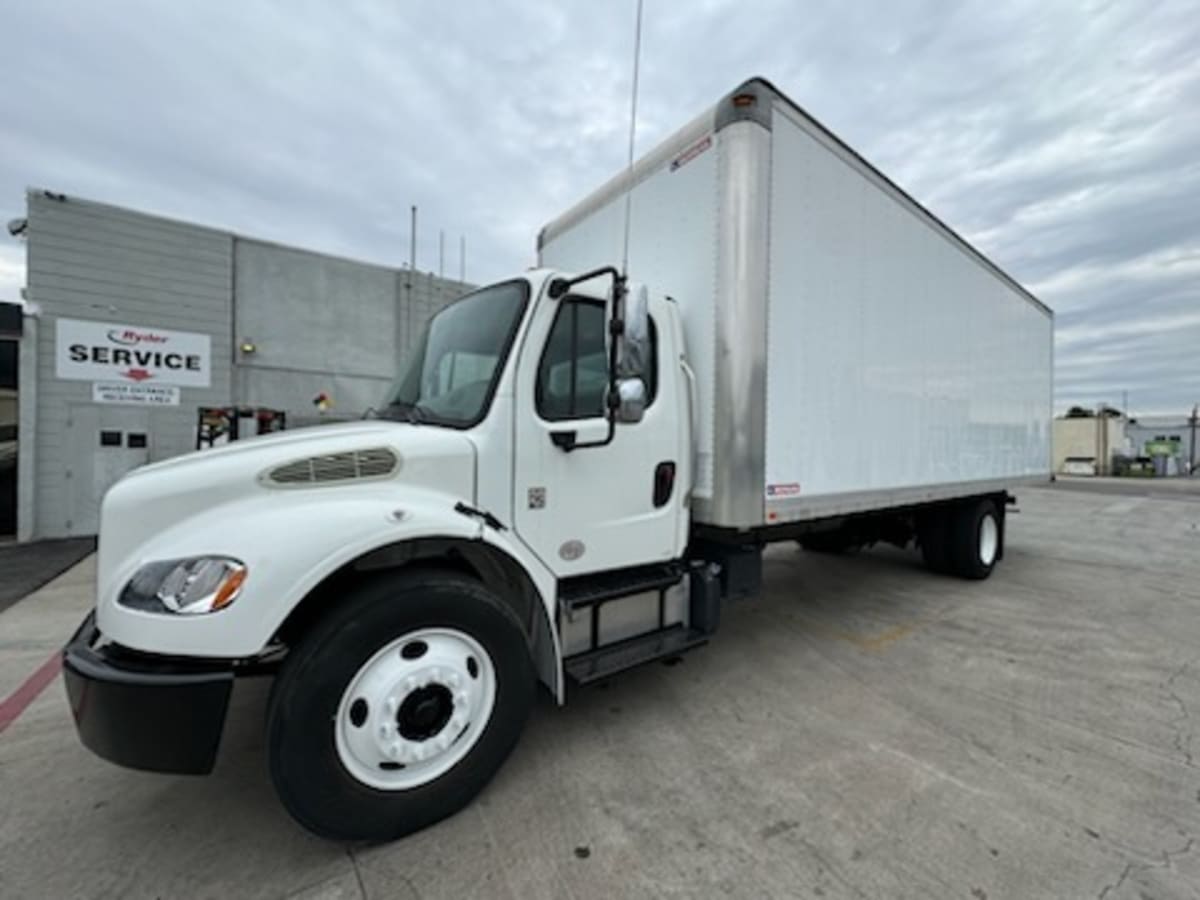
597 664
590 590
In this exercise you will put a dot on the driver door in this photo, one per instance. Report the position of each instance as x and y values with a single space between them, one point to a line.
590 508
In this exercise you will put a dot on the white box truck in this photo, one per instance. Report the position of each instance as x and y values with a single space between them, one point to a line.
578 467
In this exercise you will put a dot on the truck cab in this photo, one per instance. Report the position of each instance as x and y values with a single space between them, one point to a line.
517 512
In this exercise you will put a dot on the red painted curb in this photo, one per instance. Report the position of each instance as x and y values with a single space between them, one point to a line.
17 702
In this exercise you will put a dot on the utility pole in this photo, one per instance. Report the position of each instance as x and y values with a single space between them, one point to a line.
412 246
408 280
1193 421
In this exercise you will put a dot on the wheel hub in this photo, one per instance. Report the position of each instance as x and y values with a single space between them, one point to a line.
989 539
425 712
415 708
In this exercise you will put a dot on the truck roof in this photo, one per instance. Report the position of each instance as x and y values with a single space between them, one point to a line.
726 112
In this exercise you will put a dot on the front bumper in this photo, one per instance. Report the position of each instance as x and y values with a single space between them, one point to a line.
162 714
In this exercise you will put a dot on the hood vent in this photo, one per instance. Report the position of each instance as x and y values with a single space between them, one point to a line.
378 462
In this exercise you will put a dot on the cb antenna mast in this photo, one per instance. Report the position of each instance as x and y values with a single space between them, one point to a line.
637 52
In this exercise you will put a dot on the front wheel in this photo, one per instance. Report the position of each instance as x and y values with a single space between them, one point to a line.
398 707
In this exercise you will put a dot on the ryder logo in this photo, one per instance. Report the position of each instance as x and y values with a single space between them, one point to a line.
128 337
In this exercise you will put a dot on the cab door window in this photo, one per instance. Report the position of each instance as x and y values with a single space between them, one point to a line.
573 373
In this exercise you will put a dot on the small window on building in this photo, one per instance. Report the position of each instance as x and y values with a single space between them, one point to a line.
110 439
135 440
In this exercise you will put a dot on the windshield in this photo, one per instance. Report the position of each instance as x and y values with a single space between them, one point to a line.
452 372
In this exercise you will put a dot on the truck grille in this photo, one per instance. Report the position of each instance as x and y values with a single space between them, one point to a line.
378 462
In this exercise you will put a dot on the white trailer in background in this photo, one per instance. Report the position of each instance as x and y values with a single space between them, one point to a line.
573 474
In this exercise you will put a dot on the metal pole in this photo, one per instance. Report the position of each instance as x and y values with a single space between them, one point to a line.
412 246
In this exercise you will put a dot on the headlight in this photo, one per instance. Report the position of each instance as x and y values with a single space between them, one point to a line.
202 584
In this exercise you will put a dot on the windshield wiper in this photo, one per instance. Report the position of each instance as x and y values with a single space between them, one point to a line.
415 413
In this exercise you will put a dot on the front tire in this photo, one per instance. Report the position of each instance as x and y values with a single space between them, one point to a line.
398 706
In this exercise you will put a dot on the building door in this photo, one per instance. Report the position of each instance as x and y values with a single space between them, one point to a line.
105 442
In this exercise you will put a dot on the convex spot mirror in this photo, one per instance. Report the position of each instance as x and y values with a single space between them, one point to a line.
631 400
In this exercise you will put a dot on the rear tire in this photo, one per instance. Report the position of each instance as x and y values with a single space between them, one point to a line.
975 534
398 706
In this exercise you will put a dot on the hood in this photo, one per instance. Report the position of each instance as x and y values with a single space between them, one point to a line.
162 495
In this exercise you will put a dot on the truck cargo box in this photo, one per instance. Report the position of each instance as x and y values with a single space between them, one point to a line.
851 351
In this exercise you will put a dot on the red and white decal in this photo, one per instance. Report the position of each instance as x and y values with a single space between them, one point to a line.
787 489
691 152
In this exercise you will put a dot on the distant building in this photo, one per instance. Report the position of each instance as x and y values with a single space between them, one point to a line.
1170 442
1086 445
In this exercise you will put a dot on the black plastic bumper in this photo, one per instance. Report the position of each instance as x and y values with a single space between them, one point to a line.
161 714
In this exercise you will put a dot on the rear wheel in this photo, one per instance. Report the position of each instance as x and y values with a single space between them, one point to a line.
398 707
964 540
975 536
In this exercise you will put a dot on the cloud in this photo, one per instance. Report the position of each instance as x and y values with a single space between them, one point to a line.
1060 138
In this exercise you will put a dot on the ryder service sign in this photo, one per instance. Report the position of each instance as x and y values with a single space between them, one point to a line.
131 354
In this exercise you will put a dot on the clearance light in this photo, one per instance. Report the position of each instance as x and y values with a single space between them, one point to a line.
744 100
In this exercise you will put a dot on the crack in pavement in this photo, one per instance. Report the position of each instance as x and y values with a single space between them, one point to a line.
1183 737
1130 868
362 888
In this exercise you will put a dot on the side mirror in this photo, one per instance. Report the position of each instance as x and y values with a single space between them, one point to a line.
631 400
633 348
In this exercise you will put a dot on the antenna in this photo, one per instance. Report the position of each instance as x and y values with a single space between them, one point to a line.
637 52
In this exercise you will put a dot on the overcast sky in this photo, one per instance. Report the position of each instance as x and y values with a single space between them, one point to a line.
1062 138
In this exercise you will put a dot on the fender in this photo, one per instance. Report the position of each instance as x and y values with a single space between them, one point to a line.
286 564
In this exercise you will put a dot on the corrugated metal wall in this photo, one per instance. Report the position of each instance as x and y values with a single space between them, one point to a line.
318 323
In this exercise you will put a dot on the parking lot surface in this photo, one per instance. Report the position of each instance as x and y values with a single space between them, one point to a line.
865 729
